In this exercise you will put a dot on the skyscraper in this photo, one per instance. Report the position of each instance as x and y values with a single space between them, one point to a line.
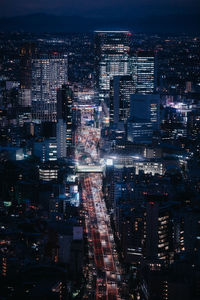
146 108
144 117
142 67
49 73
158 232
27 51
64 120
61 138
122 87
111 58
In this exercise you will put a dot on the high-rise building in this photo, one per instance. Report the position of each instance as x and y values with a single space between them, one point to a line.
158 231
25 97
139 132
48 171
146 108
122 87
142 67
144 118
49 73
45 149
27 51
64 120
111 58
61 138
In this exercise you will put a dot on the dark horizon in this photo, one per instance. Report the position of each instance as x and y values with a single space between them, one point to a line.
187 23
166 16
105 8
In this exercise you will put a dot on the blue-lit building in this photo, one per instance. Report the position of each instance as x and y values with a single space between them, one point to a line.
65 98
144 117
122 87
46 149
61 138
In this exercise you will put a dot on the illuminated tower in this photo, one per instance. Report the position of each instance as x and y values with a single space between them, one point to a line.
49 73
64 120
158 232
61 138
143 70
26 53
122 87
111 58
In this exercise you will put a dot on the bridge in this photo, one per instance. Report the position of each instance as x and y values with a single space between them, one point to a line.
90 169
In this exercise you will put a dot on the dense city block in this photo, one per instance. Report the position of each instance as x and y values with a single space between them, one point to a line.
99 166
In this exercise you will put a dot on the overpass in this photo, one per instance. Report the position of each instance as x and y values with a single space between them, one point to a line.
90 169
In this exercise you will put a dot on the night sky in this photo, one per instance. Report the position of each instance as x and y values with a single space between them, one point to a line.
141 15
100 8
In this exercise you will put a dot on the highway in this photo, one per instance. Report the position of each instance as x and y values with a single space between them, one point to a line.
101 239
104 271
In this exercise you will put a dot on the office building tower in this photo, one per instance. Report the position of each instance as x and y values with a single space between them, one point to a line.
65 97
27 51
49 73
142 67
146 108
139 132
122 87
48 172
158 231
25 97
131 233
45 149
64 119
152 167
61 138
132 66
144 118
111 58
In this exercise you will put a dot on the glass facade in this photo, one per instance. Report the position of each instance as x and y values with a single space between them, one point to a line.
48 74
111 57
